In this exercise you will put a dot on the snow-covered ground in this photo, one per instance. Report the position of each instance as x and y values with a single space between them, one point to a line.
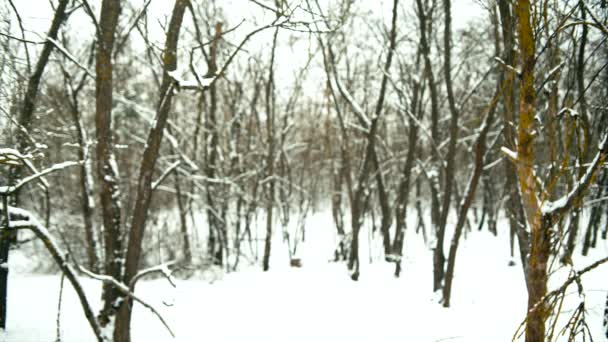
317 302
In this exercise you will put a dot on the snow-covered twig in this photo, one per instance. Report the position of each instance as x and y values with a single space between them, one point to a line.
359 112
599 24
509 67
512 155
27 220
162 177
124 289
163 268
69 56
561 205
7 190
199 83
11 156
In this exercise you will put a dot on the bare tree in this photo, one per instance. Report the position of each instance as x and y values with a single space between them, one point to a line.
25 120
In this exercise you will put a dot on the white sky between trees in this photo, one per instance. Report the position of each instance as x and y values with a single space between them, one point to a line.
37 15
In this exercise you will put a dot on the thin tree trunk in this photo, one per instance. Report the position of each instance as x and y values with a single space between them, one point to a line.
25 119
182 212
150 155
86 181
580 78
465 203
107 171
595 217
514 207
270 107
404 185
425 23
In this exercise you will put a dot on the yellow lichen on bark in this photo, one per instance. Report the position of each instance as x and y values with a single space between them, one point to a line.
539 249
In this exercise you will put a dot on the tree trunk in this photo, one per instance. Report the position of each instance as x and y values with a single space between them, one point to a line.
150 155
514 209
595 217
438 256
86 180
540 244
25 122
469 195
107 172
5 240
181 208
270 109
449 171
404 185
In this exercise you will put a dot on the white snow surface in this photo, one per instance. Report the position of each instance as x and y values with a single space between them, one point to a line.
317 302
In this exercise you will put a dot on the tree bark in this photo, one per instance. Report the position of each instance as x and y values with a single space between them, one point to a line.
107 172
540 244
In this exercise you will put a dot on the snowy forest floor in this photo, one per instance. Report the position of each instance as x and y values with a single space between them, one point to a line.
317 302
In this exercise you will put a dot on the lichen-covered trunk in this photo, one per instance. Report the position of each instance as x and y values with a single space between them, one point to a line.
540 239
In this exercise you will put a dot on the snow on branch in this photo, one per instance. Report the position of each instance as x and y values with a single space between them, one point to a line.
69 56
11 156
562 204
124 289
359 112
27 220
164 269
507 66
199 83
7 190
512 155
165 174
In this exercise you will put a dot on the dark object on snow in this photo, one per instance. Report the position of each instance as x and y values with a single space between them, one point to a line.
606 316
296 262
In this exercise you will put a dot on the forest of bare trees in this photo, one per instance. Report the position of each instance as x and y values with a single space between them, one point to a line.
154 139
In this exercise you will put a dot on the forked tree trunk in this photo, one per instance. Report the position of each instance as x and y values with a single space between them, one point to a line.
148 162
450 163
